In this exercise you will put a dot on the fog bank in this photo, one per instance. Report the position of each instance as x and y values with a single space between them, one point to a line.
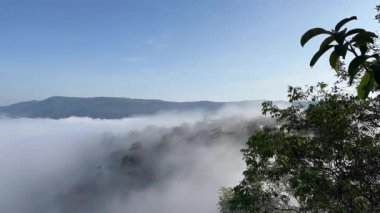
170 162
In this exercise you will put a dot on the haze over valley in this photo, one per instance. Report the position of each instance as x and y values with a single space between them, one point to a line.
166 162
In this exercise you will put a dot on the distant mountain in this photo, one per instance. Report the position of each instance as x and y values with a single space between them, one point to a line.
102 107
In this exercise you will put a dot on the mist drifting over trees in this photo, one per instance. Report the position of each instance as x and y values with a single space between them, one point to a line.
171 162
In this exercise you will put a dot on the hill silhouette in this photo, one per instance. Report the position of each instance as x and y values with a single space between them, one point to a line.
104 107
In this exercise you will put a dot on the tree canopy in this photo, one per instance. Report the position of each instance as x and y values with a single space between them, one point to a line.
324 153
322 157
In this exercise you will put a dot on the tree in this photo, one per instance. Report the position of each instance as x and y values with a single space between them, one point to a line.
365 63
226 194
324 154
324 157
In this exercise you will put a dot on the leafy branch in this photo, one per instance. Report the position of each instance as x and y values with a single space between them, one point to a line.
359 42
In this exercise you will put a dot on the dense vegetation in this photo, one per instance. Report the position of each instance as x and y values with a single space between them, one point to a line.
323 157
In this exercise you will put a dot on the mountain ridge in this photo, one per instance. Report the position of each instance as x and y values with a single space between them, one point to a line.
57 107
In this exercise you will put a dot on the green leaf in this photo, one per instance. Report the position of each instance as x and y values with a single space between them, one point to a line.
334 59
327 42
353 68
341 50
343 22
365 86
376 71
312 33
354 31
340 36
364 37
318 54
363 49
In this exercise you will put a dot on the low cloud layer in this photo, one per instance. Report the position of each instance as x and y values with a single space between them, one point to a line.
166 163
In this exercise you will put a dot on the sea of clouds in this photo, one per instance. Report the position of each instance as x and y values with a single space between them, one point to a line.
165 163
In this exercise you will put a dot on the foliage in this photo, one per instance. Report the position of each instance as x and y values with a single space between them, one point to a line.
226 194
324 157
365 62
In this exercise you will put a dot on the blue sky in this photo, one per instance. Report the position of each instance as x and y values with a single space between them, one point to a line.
179 50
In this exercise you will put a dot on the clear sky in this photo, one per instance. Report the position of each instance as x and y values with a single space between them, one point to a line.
180 50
